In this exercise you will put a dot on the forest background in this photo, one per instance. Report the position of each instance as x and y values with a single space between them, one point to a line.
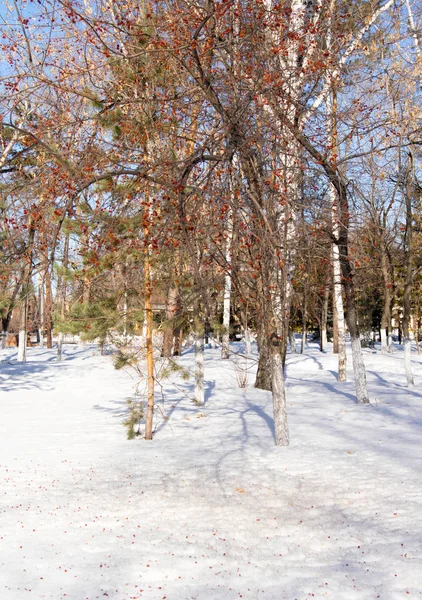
175 168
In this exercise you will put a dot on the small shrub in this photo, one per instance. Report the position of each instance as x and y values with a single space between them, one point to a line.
241 374
134 418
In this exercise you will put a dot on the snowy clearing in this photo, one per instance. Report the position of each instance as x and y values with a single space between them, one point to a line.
210 509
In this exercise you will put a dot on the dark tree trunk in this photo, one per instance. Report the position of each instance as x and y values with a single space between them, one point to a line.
263 379
8 317
48 309
169 330
304 327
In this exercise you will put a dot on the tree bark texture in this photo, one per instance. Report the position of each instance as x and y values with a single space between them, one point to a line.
324 316
169 330
278 393
148 334
263 379
199 361
48 308
225 346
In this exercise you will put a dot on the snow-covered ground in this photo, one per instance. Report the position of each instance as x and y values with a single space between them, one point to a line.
210 509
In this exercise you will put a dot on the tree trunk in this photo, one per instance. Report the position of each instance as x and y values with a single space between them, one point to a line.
225 346
23 332
178 331
390 336
342 242
384 336
335 321
199 361
178 340
48 309
339 312
26 284
352 320
418 324
304 328
263 379
62 287
336 226
4 335
324 316
247 337
12 303
125 309
278 393
148 334
292 340
41 313
60 338
388 298
5 327
172 305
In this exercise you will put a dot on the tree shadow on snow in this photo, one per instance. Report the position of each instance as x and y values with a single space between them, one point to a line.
402 387
117 408
258 410
302 360
316 385
26 376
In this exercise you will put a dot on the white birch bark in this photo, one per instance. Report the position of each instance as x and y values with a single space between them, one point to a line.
390 337
225 347
324 338
279 398
287 225
359 372
292 341
248 342
407 362
298 10
60 339
413 30
23 331
384 340
407 341
22 345
338 296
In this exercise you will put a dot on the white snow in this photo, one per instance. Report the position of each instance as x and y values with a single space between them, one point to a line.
210 509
